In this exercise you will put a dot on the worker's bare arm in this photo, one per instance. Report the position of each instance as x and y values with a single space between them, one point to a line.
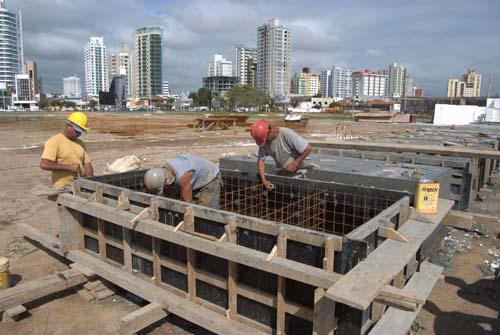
47 164
261 165
186 187
293 166
89 170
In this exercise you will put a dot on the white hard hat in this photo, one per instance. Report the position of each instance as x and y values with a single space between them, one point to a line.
155 179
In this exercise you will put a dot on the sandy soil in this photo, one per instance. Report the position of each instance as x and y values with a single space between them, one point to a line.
467 301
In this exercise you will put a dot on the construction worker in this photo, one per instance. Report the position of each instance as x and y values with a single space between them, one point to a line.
197 178
284 145
65 155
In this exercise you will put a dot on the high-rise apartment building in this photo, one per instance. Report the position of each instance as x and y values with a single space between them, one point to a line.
121 64
367 84
472 81
11 46
96 74
148 54
340 83
220 67
72 88
418 92
408 91
469 86
273 59
396 78
325 80
32 72
165 91
306 83
456 88
246 64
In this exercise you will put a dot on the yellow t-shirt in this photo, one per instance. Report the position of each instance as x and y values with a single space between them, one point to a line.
62 150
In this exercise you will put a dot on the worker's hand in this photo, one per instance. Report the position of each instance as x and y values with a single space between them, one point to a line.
292 167
75 168
268 185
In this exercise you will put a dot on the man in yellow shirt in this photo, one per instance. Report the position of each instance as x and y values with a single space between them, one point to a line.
65 155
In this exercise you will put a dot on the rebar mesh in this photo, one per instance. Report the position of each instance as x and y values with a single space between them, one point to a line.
306 206
310 207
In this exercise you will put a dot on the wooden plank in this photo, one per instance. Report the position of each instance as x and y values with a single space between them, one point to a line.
362 284
127 250
398 322
459 219
140 319
253 258
69 234
101 238
45 240
236 253
444 208
373 224
170 302
191 273
39 288
324 314
328 263
12 314
391 234
428 149
232 273
281 294
86 271
298 234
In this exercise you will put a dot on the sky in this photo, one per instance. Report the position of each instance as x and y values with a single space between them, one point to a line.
436 40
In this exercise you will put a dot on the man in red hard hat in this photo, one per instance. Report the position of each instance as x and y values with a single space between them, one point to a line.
285 146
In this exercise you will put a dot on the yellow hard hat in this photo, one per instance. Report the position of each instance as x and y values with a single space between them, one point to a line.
79 119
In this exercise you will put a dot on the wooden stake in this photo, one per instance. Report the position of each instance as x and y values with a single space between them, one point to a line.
391 234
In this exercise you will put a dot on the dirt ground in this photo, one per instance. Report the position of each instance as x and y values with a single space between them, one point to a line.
466 301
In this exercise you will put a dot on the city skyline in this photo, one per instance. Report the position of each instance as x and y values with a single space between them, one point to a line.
433 46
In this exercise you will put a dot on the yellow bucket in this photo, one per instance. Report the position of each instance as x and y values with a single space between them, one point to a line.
4 272
427 197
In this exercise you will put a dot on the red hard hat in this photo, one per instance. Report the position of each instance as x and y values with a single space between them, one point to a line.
259 131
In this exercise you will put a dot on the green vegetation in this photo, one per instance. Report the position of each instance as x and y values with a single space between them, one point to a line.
424 118
247 96
201 98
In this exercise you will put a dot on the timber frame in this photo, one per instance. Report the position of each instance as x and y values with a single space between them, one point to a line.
386 250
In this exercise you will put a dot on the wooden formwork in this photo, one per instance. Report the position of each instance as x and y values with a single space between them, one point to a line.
236 274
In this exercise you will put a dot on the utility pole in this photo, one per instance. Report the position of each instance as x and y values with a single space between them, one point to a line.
490 84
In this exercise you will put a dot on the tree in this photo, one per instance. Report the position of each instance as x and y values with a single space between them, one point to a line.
92 104
247 96
201 98
334 104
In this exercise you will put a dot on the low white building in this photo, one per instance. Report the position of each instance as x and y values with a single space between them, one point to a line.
465 114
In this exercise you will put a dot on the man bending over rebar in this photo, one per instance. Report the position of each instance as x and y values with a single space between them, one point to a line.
285 146
199 179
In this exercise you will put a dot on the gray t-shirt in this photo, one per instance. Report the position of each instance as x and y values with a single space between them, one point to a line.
285 148
204 171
